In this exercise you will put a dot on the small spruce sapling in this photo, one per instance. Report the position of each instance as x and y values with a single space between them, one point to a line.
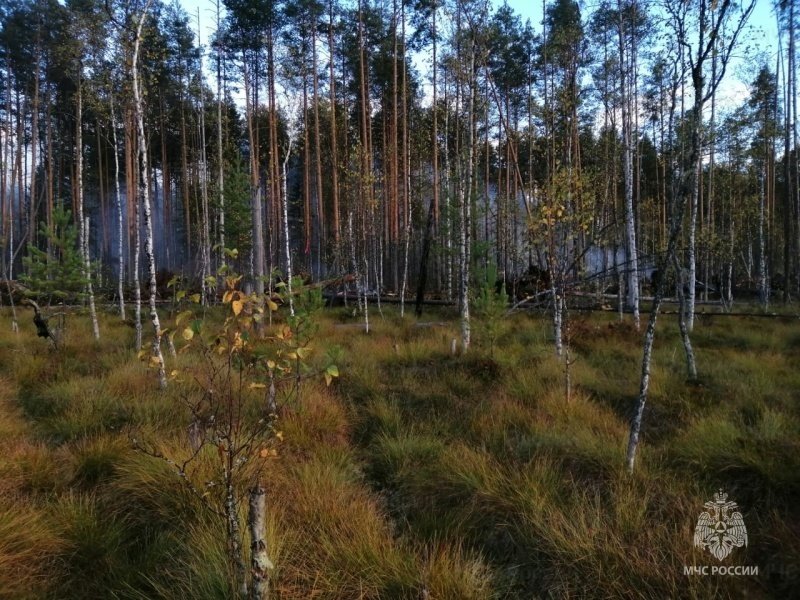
55 275
491 306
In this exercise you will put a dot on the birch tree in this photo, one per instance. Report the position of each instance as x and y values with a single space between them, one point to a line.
157 358
708 39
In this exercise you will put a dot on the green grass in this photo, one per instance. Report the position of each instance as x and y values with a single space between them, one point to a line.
416 472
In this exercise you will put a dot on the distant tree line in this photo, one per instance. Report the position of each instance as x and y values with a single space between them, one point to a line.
406 143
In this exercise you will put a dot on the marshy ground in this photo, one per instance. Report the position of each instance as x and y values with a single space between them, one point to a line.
416 473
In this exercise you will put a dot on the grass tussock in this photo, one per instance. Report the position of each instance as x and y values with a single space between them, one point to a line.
416 473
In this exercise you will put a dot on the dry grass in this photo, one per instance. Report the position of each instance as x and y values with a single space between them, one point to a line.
417 472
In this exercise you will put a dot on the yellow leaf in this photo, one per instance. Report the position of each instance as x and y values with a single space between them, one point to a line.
195 298
237 306
155 361
188 334
279 435
270 364
272 305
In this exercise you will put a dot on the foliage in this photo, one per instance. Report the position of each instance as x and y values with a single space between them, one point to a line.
234 396
56 274
490 303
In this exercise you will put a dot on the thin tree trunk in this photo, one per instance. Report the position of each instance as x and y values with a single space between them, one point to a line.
465 206
255 194
691 365
234 535
763 290
317 153
205 240
406 165
260 564
692 248
83 241
632 266
137 255
220 160
88 269
286 230
144 185
334 145
423 262
34 145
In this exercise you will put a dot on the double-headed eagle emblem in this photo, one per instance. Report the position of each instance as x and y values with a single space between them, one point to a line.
721 528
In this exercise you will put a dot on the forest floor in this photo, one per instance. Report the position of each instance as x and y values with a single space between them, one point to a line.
415 474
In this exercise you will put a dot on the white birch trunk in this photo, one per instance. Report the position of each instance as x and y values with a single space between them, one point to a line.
285 202
260 564
118 197
557 322
137 284
144 185
366 299
632 261
353 261
691 365
83 222
405 261
692 243
466 203
221 172
234 536
763 290
88 268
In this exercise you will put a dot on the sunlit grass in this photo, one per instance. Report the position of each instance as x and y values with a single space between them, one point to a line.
416 471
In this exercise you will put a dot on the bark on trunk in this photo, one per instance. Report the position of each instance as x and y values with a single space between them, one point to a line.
691 365
286 231
83 222
88 269
632 261
465 206
144 186
118 198
260 564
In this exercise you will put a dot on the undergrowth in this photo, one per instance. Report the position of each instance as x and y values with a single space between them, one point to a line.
417 474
